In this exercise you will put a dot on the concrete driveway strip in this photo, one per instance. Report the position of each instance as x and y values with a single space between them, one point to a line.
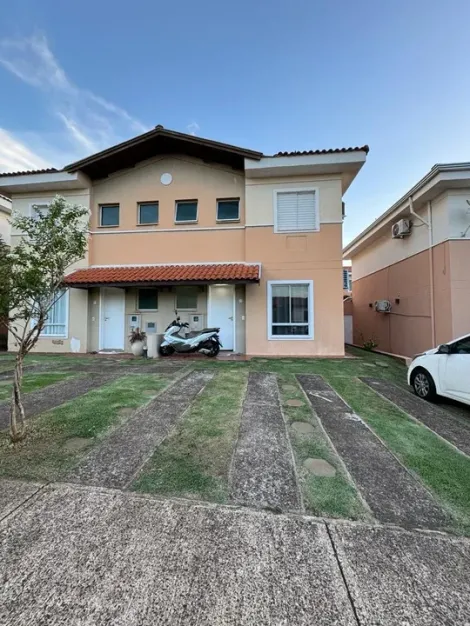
262 472
396 577
392 493
117 459
82 556
450 427
49 397
13 493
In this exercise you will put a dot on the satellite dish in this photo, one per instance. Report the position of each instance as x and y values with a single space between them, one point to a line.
166 179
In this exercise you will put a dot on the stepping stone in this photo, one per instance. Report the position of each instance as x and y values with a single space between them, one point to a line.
368 364
150 392
289 388
437 419
75 444
319 467
381 364
263 473
116 461
295 403
263 360
303 428
126 411
394 495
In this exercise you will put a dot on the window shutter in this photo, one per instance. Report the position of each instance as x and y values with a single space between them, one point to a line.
296 211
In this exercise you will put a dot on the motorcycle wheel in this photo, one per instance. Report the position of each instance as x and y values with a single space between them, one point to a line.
166 350
214 348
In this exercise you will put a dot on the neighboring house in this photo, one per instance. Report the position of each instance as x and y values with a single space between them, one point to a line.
5 228
414 260
227 236
5 214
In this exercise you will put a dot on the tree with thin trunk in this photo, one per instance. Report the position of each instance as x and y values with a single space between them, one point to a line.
31 280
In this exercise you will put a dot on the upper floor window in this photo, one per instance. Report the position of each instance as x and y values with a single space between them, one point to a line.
148 212
347 279
109 215
296 211
186 211
39 208
228 210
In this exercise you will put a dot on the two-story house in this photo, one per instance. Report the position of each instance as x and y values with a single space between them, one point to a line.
227 236
410 267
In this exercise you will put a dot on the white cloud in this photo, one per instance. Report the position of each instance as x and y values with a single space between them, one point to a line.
15 156
91 122
193 128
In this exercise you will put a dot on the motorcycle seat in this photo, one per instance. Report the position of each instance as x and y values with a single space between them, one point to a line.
210 330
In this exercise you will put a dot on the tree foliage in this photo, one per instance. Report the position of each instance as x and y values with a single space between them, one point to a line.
31 275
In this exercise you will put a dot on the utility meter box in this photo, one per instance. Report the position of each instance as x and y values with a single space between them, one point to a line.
196 322
151 327
133 321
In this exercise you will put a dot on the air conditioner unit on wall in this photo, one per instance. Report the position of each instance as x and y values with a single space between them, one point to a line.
383 306
401 229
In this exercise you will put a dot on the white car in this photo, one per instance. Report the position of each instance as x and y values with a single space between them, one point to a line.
443 371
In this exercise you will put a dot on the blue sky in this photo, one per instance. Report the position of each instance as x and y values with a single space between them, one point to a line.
267 75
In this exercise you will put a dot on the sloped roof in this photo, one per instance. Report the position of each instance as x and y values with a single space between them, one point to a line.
164 274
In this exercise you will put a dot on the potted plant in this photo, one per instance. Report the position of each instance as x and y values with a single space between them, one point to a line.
137 339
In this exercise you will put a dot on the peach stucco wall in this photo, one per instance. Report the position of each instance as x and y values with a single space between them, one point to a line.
312 256
407 330
459 256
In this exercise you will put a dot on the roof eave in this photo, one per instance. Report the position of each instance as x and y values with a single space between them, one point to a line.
437 180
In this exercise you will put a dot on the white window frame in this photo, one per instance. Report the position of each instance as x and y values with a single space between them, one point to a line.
311 333
232 219
140 205
186 202
315 190
66 333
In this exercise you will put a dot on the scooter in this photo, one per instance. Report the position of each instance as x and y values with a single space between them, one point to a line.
206 341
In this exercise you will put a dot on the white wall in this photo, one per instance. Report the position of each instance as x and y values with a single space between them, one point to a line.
386 251
259 197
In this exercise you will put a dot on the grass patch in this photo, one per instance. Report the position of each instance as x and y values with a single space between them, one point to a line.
323 496
43 455
445 471
31 382
195 460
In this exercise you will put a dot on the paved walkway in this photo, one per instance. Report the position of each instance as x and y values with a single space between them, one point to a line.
115 462
449 426
392 493
263 470
85 556
54 395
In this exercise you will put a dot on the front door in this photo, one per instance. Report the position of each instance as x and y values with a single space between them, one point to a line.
221 310
112 320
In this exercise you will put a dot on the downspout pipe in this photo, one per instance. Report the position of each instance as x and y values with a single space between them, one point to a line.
428 223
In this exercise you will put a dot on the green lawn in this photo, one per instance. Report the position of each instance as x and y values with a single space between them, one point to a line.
33 381
195 460
45 455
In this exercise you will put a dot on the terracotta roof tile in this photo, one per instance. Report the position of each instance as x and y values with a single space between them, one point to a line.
327 151
128 275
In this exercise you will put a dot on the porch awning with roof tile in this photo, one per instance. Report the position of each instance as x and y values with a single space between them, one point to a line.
154 275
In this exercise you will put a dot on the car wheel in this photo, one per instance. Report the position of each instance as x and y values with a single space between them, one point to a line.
423 384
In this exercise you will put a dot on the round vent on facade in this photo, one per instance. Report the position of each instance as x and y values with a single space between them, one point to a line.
166 179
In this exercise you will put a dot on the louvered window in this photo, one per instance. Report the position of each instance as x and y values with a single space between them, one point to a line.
296 211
